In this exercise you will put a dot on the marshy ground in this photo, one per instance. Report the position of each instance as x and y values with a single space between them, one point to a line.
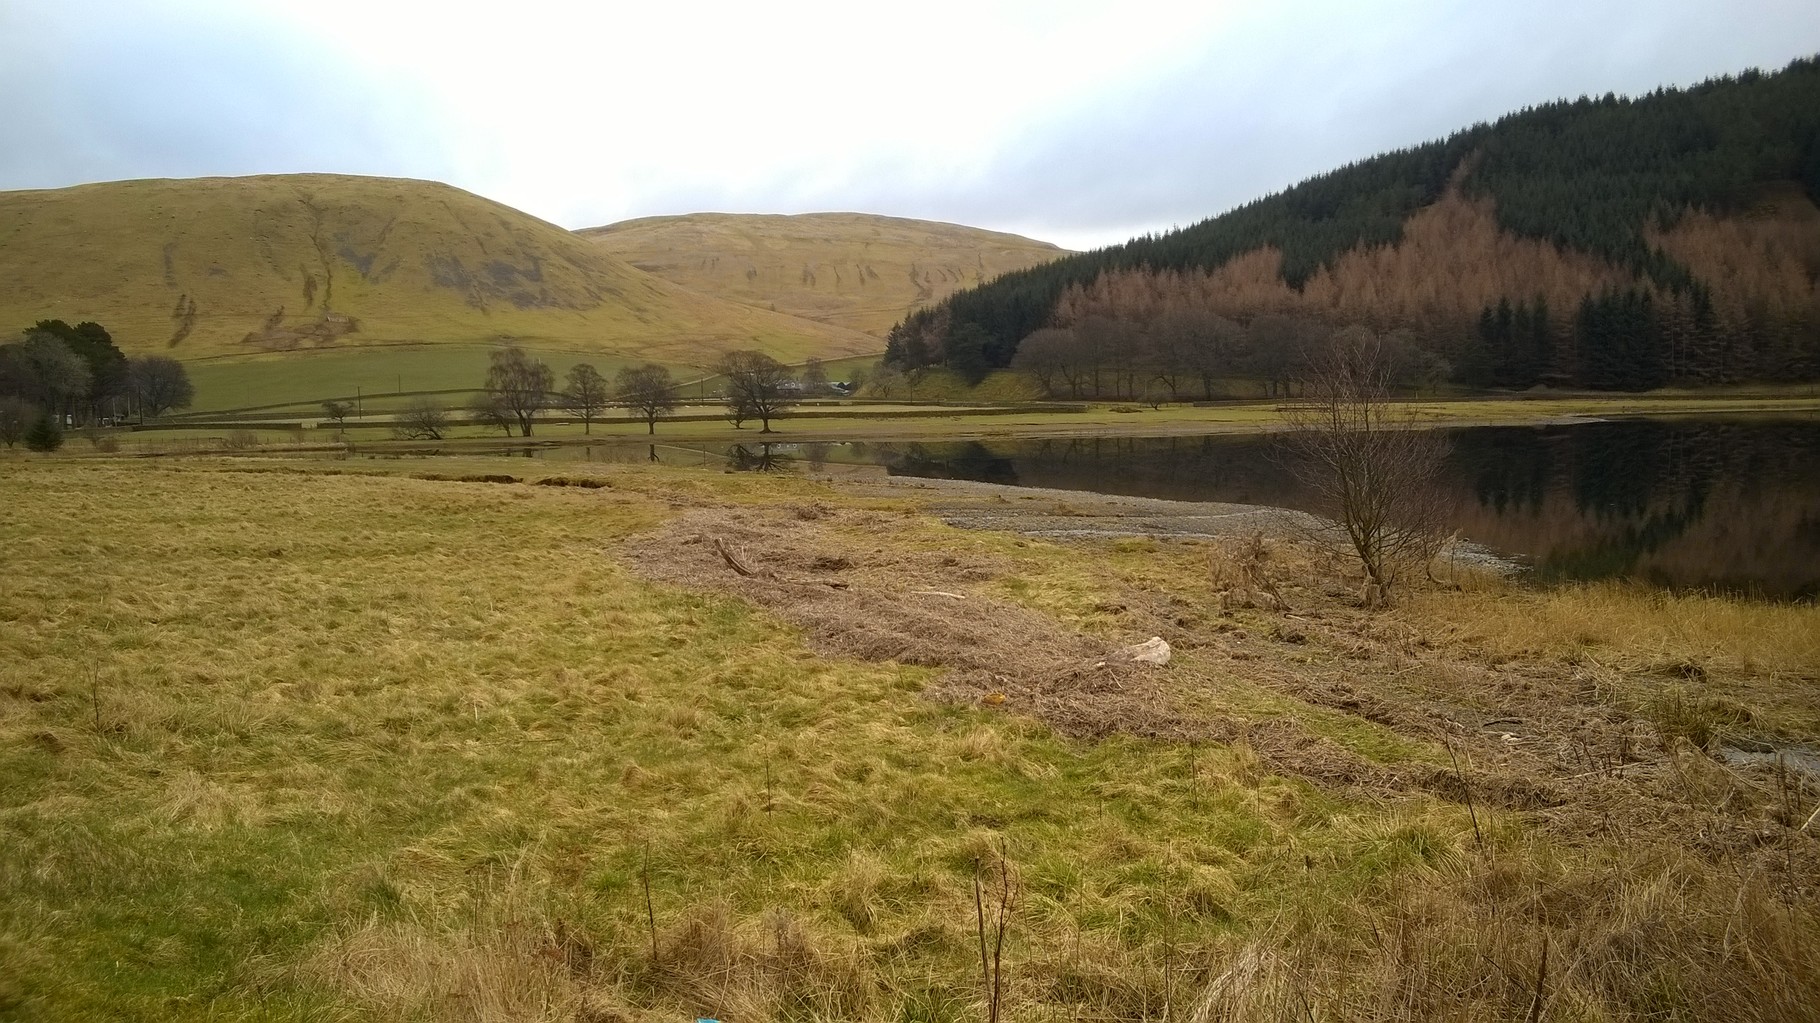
462 739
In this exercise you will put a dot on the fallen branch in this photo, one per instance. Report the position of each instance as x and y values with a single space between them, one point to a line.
732 560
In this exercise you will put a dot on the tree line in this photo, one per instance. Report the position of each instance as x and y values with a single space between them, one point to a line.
57 375
1196 355
519 387
1619 193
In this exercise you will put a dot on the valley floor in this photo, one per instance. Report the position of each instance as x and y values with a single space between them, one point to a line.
468 739
846 421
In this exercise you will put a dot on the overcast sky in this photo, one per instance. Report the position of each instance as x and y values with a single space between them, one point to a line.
1078 123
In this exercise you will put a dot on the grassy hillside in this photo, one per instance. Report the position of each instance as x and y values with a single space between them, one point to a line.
217 267
852 270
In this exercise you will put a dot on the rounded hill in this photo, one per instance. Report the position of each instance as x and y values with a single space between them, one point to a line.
209 267
849 270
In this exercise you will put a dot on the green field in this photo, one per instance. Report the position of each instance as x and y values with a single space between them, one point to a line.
311 377
839 421
304 379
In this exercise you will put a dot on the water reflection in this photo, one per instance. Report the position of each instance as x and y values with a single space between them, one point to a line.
1686 504
760 457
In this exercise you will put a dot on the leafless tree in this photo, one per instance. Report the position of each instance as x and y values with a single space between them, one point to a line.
1277 344
16 418
1046 354
648 391
521 384
815 377
585 393
486 408
159 383
422 419
337 412
887 382
755 386
1372 469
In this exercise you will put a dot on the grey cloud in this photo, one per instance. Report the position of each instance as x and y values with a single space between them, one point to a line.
1298 95
1308 97
142 96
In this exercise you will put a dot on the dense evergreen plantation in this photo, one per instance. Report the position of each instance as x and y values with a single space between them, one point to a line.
1618 243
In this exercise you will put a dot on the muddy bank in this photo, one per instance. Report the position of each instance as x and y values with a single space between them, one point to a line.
1038 511
1086 515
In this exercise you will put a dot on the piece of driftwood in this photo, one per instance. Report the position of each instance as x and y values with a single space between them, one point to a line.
732 560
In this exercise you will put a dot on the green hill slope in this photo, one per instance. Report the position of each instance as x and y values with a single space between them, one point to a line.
217 267
1612 242
852 270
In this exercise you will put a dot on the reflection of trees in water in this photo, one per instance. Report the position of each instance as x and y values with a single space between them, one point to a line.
1688 504
960 460
1680 503
767 458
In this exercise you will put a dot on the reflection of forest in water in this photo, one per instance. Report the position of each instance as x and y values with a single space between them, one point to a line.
1680 503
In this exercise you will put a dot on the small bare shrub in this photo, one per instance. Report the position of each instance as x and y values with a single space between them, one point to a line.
1242 577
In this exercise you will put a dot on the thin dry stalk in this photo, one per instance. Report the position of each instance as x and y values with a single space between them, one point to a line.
992 971
1536 1003
1466 788
644 874
94 696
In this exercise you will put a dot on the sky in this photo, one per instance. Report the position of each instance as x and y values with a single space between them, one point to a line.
1078 123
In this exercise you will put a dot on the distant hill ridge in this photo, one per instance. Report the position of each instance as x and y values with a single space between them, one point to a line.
1606 242
207 267
854 270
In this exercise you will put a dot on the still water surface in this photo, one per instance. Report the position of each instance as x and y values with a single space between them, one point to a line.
1731 505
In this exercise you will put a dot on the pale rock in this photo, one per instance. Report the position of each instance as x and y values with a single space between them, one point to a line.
1152 651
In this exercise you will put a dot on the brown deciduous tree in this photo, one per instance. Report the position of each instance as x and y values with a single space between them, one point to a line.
422 419
520 384
1047 354
755 386
487 408
648 391
337 412
585 393
1371 468
159 384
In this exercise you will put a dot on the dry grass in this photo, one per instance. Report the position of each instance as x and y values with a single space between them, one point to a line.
289 263
335 741
853 269
1635 622
1681 655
